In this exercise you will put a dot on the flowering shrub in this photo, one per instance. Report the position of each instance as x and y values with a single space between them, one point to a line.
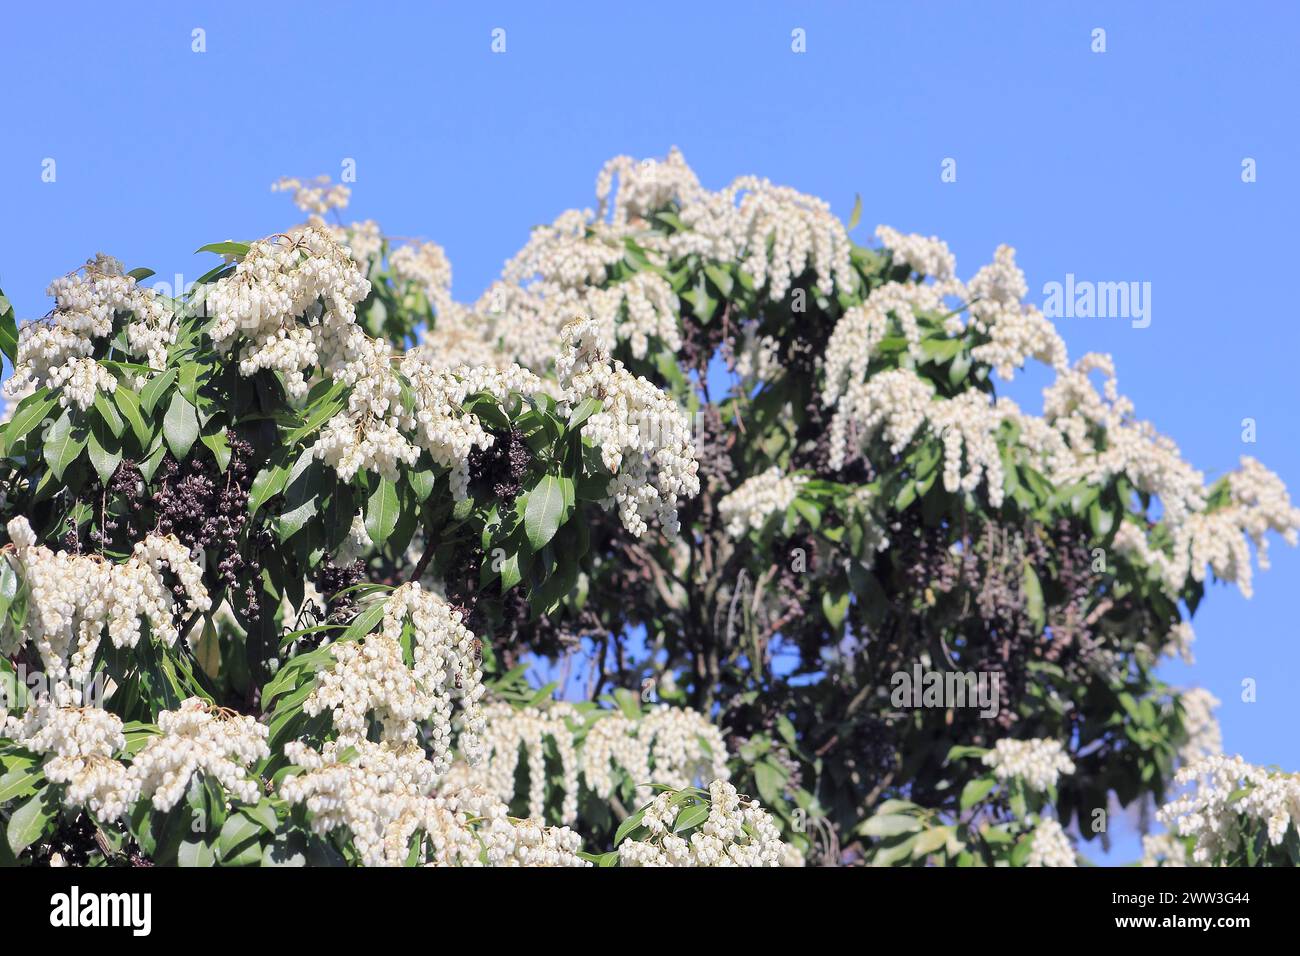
285 550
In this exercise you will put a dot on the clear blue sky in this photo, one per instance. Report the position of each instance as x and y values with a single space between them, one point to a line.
1117 166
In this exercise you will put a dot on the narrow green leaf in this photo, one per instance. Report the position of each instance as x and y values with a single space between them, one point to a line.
180 426
544 511
30 821
155 389
63 444
381 511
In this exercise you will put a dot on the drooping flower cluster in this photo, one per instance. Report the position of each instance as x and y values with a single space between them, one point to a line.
81 743
74 598
758 498
644 439
1203 735
1165 849
1050 846
57 351
197 738
381 795
372 679
776 233
316 196
507 731
1038 762
426 265
671 746
736 833
291 303
1228 795
380 430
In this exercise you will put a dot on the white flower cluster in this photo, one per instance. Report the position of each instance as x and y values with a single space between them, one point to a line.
644 439
1165 849
425 265
441 427
1038 762
197 738
381 794
363 240
758 498
507 731
644 187
379 431
1219 540
81 742
737 833
925 256
371 678
73 598
370 434
317 196
1203 735
1016 332
898 403
1102 439
774 233
671 746
1214 811
281 280
57 351
1050 846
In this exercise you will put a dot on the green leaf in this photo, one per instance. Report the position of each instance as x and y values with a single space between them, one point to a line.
930 841
228 248
889 855
269 482
692 816
219 445
128 403
155 389
381 511
628 825
585 409
21 780
30 821
770 781
300 498
975 791
180 426
236 833
365 622
105 449
886 825
63 444
855 217
195 853
1033 597
545 511
8 331
30 413
263 814
108 412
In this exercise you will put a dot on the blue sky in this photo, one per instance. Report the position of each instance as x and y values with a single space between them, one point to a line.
1118 166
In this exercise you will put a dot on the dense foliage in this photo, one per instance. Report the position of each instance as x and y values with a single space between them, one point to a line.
287 553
